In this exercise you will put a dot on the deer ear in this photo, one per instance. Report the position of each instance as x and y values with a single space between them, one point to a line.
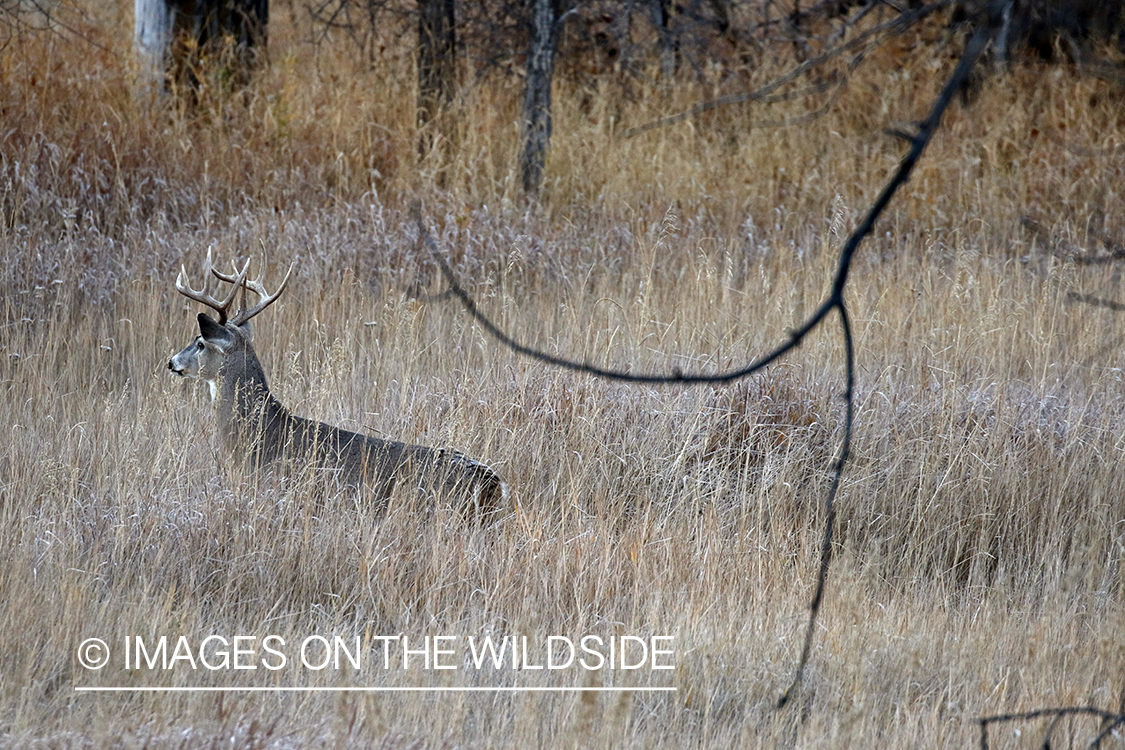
214 332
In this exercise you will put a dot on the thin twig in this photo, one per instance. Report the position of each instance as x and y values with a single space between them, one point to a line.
820 111
1090 299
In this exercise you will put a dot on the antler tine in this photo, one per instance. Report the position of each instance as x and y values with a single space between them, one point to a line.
265 298
236 278
221 307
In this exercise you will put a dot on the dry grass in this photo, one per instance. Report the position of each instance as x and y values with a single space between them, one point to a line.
982 520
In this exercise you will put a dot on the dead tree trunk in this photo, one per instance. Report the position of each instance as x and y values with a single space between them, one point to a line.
437 69
537 94
152 40
669 43
173 37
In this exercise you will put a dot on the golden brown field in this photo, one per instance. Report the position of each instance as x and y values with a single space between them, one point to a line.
981 537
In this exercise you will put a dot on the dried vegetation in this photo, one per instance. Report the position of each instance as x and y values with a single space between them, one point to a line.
982 519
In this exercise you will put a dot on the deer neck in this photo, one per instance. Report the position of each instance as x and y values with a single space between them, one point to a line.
247 410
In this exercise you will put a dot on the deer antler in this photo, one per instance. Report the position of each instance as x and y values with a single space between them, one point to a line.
265 299
239 281
221 307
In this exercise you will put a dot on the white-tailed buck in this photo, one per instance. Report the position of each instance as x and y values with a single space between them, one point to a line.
255 425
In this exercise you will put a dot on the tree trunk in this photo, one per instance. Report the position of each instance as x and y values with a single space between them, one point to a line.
152 37
669 44
173 36
537 95
437 68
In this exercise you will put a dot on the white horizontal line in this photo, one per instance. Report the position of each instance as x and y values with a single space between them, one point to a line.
497 689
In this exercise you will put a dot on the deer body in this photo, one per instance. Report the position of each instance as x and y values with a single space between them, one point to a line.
255 424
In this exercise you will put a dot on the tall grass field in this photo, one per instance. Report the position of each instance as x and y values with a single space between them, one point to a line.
660 543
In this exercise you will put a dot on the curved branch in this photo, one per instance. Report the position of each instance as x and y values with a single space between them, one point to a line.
835 297
1110 721
834 301
829 505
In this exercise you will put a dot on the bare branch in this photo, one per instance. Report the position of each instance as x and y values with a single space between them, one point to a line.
1111 721
1116 251
1090 299
834 301
829 507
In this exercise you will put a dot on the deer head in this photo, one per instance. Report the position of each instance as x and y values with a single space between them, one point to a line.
222 355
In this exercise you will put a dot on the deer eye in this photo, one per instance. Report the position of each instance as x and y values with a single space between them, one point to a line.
199 345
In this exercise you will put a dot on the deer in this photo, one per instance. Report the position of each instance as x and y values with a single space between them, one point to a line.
257 427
